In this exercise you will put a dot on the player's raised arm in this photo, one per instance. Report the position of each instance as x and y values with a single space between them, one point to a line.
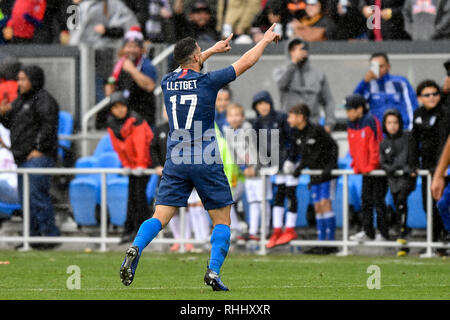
252 56
220 47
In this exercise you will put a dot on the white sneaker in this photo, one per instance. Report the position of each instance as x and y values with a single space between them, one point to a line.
380 238
360 237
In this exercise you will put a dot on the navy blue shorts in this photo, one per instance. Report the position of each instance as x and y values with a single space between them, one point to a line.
209 180
323 191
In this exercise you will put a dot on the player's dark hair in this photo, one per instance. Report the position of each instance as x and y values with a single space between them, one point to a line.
297 41
184 50
427 84
380 54
301 109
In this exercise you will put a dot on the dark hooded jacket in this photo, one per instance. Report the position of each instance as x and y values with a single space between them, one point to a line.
397 152
275 120
33 119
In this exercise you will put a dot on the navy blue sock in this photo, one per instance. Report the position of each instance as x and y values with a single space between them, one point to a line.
220 241
147 232
321 227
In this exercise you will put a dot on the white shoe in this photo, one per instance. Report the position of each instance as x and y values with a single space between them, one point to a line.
360 237
380 238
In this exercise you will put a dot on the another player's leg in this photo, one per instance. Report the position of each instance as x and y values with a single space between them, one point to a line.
277 215
289 233
220 243
147 232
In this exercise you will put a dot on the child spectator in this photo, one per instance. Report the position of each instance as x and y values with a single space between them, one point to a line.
397 152
430 131
131 137
364 138
317 150
222 101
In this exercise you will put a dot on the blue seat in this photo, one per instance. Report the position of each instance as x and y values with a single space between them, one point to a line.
117 198
104 145
83 196
417 218
65 127
7 209
337 202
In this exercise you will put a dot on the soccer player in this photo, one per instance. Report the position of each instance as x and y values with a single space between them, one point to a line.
189 98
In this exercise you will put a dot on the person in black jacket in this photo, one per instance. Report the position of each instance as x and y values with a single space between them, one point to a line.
430 131
317 150
397 152
33 122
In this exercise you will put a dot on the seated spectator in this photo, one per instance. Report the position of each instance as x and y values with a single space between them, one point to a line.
426 20
274 12
8 181
391 20
199 25
315 25
239 17
222 101
350 23
385 91
135 73
159 11
131 137
26 16
104 23
33 121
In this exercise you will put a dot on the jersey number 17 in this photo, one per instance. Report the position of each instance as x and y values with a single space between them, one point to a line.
183 99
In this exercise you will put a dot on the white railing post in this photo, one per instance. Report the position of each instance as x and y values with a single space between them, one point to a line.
26 212
345 218
429 251
262 246
103 214
182 229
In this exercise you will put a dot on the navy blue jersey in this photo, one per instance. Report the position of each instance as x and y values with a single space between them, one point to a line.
190 99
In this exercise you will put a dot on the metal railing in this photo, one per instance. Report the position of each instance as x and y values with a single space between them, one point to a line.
103 239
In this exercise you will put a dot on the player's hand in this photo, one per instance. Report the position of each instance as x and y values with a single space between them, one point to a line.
128 66
437 187
369 76
270 36
159 170
34 154
223 45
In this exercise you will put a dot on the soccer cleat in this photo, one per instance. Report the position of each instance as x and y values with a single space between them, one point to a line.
129 265
273 239
175 247
360 237
286 237
402 253
212 279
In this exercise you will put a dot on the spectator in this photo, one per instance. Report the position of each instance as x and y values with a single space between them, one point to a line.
135 73
33 121
222 102
9 68
430 131
131 137
364 138
391 22
140 10
8 181
239 16
274 12
200 24
298 82
385 91
198 220
350 23
5 13
54 23
104 23
296 8
317 150
397 152
315 25
26 16
159 12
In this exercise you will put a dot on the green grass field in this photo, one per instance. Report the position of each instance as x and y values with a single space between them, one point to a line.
43 275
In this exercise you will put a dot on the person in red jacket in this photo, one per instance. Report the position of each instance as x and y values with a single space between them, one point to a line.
27 15
364 138
131 137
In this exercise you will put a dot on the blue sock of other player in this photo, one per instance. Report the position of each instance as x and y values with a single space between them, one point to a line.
321 227
147 232
330 224
220 241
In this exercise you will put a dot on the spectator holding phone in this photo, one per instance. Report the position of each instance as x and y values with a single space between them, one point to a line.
384 91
